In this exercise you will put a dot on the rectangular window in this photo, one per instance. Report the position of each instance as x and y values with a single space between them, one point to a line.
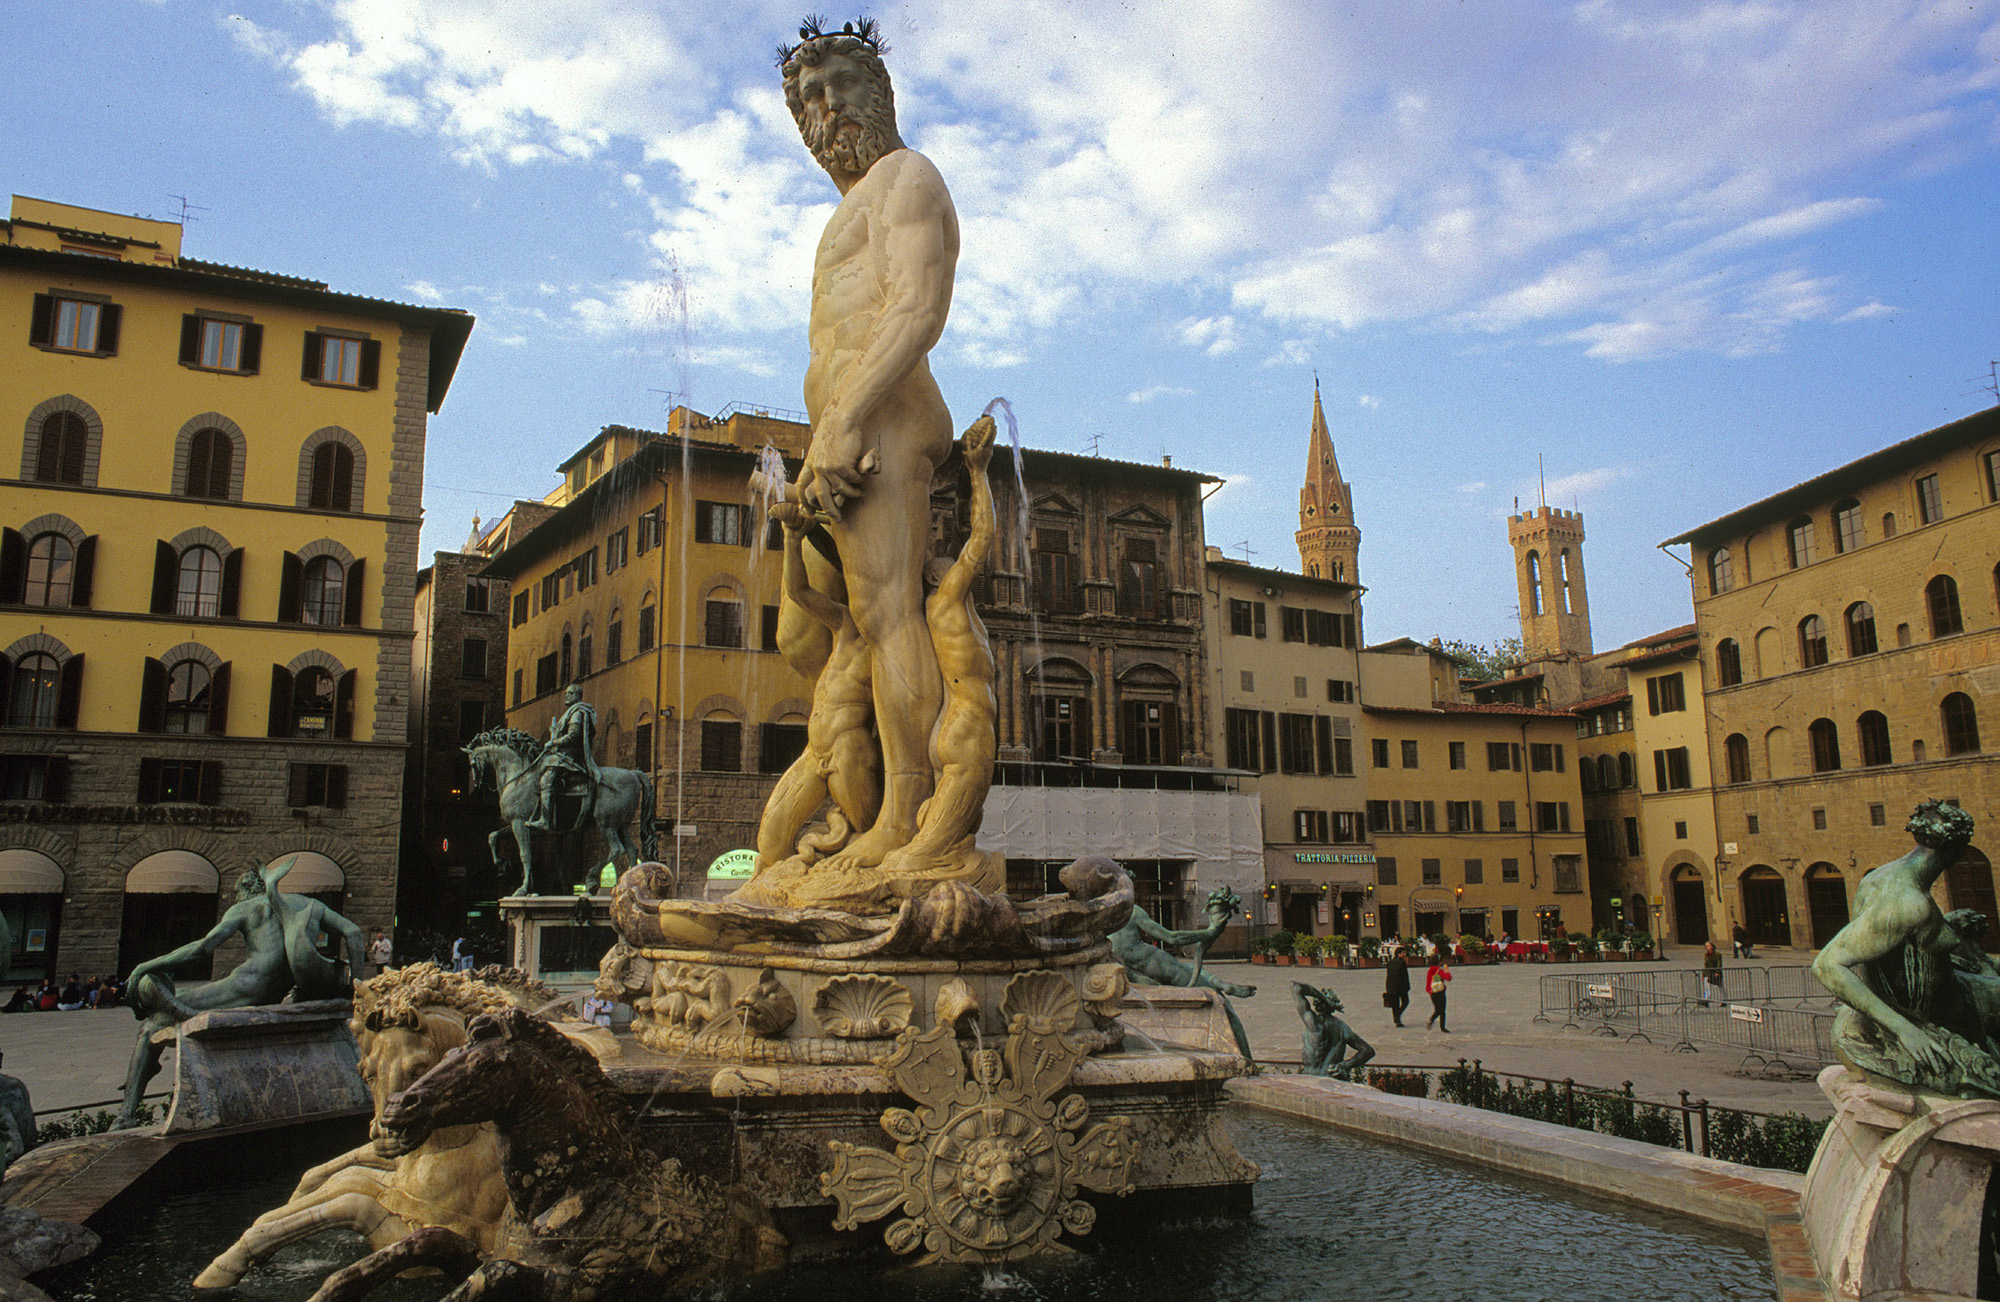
1993 476
1456 753
778 745
1378 815
767 639
1878 816
1433 870
1475 872
616 550
1671 771
478 596
1930 504
586 569
1309 825
1504 816
1299 688
471 720
1063 729
1139 583
1632 832
1510 870
1819 820
1409 754
1322 628
1632 835
1293 623
1295 743
1665 694
1347 828
1241 739
1568 873
1152 732
723 625
1055 585
342 360
1541 757
520 608
1551 816
1378 752
642 747
1241 621
1502 756
551 591
584 664
1343 757
519 675
1458 815
221 345
646 634
76 325
1339 691
472 658
614 643
1246 681
1385 872
721 746
723 523
1750 824
1419 816
324 785
652 528
545 675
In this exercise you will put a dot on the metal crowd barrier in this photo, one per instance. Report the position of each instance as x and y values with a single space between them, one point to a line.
1779 1018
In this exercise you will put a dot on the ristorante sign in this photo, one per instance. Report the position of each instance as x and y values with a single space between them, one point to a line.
174 815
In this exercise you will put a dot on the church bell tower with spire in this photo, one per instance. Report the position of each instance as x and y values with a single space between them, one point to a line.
1329 541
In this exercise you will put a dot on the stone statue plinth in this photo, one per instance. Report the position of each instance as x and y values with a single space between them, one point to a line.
257 1066
1894 1200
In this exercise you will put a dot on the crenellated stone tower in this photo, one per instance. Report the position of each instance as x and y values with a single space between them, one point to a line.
1548 568
1329 541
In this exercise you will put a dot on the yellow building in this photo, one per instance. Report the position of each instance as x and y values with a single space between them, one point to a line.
219 478
1674 857
1850 633
655 585
1474 810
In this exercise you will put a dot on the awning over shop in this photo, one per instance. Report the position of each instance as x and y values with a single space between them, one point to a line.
311 873
29 872
172 872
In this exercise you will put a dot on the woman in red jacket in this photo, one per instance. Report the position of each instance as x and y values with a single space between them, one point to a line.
1435 982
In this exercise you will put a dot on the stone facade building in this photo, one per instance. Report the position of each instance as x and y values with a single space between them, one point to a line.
1850 643
207 562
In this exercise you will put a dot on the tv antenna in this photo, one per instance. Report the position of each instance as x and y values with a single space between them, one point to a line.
1247 549
1095 442
188 209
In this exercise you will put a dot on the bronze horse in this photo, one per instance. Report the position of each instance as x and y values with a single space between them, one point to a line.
506 757
593 1209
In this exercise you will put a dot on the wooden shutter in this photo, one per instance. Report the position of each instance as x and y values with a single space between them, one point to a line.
42 321
69 692
1129 718
1323 742
55 780
704 515
1258 619
166 577
251 355
1170 733
288 589
230 600
279 722
13 566
336 786
1269 721
149 780
6 682
81 576
310 363
351 595
109 317
210 790
343 704
298 788
190 340
218 700
371 362
153 696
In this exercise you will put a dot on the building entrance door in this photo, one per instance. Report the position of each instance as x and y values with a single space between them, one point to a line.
1690 911
1969 885
1300 910
1429 924
1765 913
1826 900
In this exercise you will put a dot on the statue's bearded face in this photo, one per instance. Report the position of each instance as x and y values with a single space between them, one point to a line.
846 114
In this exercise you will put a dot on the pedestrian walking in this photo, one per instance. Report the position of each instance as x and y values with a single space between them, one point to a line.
380 951
1396 996
461 955
1435 982
1739 941
1711 974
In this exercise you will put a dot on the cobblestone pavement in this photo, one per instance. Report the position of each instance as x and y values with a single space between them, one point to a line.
1490 1010
80 1057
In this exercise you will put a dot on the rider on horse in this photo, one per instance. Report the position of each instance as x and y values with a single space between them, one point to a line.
572 741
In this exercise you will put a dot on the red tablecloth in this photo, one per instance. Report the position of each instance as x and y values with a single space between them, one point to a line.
1520 950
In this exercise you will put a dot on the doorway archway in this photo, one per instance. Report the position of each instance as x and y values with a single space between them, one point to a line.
1826 902
1690 906
1767 914
170 899
1969 885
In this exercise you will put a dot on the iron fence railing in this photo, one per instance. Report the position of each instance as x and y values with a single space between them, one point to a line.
1779 1018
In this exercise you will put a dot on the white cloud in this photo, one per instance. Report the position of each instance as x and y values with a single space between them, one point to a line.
1368 400
1868 311
1657 196
426 291
1157 391
1476 486
1577 485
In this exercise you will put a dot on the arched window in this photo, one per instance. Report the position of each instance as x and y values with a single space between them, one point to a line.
1586 773
1728 662
1888 524
312 703
322 592
1847 534
1941 599
64 439
1736 753
1607 773
1825 740
583 653
1799 547
200 590
1535 582
1628 769
1340 571
1721 574
332 477
1812 642
187 697
648 628
37 684
1961 724
1873 728
1562 573
51 569
565 668
1860 629
210 458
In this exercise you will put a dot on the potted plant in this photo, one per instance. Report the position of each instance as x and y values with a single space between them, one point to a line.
1260 950
1334 950
1476 951
1611 945
1586 948
1281 947
1642 944
1371 952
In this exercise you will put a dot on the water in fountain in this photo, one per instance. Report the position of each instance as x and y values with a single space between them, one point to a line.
1022 539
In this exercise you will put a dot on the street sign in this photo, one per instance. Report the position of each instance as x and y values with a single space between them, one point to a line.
733 866
1746 1013
1598 991
685 829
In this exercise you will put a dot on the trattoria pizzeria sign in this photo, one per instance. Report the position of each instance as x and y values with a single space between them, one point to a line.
1305 856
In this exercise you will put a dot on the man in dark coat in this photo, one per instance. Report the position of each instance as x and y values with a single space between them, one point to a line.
1397 995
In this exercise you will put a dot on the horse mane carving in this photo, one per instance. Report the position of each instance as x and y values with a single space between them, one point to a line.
523 1027
397 994
525 744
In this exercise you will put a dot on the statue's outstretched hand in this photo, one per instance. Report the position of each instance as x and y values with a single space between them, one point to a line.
794 517
979 441
1928 1052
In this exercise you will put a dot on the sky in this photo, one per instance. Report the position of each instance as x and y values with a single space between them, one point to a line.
1653 261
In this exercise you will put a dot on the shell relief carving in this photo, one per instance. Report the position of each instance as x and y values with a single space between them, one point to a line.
863 1006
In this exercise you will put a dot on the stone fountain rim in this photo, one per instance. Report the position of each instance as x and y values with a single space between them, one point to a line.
747 957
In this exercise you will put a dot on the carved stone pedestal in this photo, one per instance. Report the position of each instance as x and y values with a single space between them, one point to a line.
1895 1197
254 1066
